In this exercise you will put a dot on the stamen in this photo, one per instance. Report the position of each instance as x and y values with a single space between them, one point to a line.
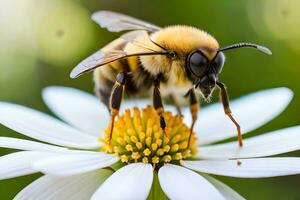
135 156
147 152
139 145
167 148
160 152
154 146
174 148
167 158
137 137
145 160
155 160
129 147
124 158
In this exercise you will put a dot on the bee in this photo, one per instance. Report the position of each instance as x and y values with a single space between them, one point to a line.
176 60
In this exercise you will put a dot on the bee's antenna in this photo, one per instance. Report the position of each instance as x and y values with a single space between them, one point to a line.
243 44
168 52
163 48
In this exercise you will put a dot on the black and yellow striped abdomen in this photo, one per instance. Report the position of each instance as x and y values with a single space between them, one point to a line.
138 81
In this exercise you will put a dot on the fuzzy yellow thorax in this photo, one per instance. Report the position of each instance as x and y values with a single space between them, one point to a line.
137 137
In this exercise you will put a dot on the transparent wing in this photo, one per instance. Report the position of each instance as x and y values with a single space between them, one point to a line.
97 59
116 22
146 43
129 36
114 51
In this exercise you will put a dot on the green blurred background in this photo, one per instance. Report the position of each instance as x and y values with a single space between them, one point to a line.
42 40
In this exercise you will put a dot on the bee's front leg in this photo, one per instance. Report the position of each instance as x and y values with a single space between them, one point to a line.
227 110
194 107
157 103
116 99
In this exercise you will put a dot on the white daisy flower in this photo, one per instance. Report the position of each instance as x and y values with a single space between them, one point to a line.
78 163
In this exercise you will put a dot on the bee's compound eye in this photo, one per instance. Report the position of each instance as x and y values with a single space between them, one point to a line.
219 62
197 63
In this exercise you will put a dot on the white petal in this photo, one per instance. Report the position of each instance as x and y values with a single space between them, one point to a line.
20 144
76 163
276 142
77 187
248 168
80 109
130 182
180 183
19 164
85 111
43 127
251 112
225 190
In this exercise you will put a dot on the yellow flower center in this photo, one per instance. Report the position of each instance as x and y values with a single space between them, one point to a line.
138 137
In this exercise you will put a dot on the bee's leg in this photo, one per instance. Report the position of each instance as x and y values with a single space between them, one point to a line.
157 103
225 102
194 107
116 99
176 102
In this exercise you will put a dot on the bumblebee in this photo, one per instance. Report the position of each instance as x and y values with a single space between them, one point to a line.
176 60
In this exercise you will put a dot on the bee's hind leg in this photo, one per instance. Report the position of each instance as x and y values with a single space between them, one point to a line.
116 99
157 103
194 107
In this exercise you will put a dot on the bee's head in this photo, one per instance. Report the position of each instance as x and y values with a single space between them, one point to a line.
204 65
204 70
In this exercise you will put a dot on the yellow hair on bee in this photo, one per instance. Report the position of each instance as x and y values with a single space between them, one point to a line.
182 40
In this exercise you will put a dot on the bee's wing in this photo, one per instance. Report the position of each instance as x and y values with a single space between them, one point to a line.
116 22
97 59
131 35
114 51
